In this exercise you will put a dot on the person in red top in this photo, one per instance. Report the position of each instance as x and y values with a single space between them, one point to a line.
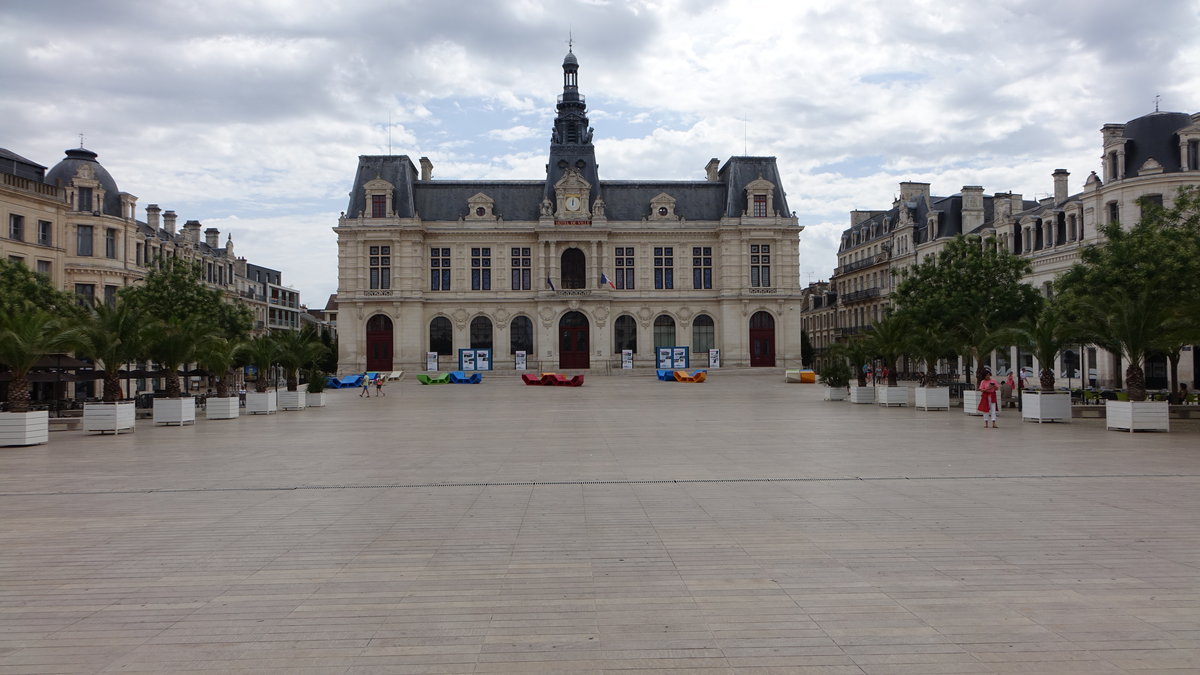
988 403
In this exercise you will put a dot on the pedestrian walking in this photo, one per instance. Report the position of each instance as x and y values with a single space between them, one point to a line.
379 384
366 385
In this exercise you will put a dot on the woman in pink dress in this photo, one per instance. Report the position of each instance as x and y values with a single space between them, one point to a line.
988 403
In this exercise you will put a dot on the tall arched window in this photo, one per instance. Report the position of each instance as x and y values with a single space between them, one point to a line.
520 335
574 269
703 334
441 336
481 333
664 331
625 334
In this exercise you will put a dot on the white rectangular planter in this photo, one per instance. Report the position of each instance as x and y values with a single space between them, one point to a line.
971 402
889 396
114 417
265 403
1137 415
316 400
291 400
179 411
27 428
222 408
835 393
862 394
1041 407
933 398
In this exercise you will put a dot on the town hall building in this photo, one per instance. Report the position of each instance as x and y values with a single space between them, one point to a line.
571 270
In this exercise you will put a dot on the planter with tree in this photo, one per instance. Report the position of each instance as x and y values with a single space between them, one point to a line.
889 340
1045 335
297 350
931 345
835 374
219 355
261 352
858 354
1134 293
314 391
33 324
110 335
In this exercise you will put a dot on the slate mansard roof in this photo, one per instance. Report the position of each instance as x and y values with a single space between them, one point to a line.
446 200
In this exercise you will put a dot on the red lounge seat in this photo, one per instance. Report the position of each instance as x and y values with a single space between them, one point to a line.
530 378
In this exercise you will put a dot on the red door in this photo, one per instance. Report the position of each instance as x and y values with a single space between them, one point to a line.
379 343
573 341
762 340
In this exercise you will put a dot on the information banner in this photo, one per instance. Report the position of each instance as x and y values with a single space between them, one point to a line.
664 358
680 357
474 359
431 361
627 359
520 360
714 358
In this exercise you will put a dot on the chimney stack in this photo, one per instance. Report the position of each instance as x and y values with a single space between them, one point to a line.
191 231
212 237
1060 185
972 207
152 212
710 170
169 222
426 169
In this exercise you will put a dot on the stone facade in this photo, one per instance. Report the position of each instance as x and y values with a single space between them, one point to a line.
569 268
1153 155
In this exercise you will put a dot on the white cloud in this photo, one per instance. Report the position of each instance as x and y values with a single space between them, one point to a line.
260 109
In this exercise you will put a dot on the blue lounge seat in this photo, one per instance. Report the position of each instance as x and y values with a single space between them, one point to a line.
665 375
348 381
459 377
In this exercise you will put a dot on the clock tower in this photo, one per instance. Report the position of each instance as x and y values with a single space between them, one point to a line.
572 182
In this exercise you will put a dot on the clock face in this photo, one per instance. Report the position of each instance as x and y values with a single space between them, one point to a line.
572 203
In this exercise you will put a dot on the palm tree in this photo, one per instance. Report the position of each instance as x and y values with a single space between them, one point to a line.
858 353
930 344
978 340
27 333
1130 323
1044 335
889 338
172 343
219 355
298 349
110 336
262 352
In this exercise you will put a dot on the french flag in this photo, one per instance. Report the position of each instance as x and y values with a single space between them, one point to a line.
550 284
605 280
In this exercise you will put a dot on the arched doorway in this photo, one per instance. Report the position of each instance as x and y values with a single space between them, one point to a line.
379 343
573 342
574 269
441 336
762 340
520 335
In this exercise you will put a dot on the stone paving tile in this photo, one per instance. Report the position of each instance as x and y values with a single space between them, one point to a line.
742 526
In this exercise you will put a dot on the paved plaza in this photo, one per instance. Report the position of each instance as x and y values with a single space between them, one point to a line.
742 525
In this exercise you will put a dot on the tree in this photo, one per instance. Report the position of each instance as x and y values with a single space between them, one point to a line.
110 336
857 353
806 349
1131 292
219 355
930 344
262 352
27 333
970 289
20 286
889 340
1045 335
172 343
836 373
298 349
176 290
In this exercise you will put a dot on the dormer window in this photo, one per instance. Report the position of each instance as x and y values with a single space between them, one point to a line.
378 193
84 198
378 206
760 206
760 197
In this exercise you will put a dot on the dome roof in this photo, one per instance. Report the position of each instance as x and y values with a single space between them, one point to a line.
64 172
570 60
1154 136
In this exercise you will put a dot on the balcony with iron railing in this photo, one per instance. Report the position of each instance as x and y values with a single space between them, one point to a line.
855 330
876 259
859 296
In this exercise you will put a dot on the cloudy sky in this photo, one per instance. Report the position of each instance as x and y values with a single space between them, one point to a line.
249 115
